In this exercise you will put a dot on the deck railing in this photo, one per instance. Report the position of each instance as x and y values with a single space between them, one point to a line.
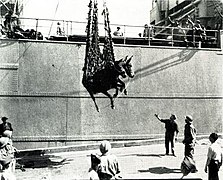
158 35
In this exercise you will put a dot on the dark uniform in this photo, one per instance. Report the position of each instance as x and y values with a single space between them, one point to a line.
171 127
5 126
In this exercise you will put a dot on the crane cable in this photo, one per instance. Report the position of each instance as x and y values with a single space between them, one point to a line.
54 17
14 10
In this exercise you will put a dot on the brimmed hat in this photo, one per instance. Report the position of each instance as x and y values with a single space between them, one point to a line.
105 146
4 118
189 118
3 141
173 116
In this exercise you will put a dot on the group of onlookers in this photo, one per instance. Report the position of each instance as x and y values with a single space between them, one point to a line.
214 156
7 151
193 33
11 29
105 166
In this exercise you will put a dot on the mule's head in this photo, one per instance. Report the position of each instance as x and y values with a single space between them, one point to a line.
127 65
124 67
119 68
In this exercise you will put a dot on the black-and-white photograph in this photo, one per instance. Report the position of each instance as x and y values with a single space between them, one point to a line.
111 89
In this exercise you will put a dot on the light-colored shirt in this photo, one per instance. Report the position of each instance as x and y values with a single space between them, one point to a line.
109 165
7 175
118 33
214 152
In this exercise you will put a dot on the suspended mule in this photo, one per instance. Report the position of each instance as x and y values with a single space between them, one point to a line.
101 71
109 78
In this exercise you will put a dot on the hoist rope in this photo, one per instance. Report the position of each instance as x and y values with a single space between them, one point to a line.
14 10
54 17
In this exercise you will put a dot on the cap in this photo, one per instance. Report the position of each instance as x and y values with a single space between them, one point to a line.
189 118
105 146
173 116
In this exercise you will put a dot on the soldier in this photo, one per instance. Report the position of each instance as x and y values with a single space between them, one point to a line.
148 31
59 30
8 21
5 128
171 132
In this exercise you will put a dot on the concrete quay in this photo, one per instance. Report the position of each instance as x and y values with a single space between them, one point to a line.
138 161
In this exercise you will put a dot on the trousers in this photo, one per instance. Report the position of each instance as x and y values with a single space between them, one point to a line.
169 140
213 169
189 150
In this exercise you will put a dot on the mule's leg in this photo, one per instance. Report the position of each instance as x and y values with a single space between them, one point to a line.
116 93
122 85
125 91
111 99
93 98
118 87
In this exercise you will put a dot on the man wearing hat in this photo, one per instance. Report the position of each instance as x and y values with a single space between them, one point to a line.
5 128
171 132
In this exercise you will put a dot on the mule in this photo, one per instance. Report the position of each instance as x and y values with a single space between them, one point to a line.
109 78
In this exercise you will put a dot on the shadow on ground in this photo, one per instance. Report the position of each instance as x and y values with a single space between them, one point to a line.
40 161
160 170
151 155
146 155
